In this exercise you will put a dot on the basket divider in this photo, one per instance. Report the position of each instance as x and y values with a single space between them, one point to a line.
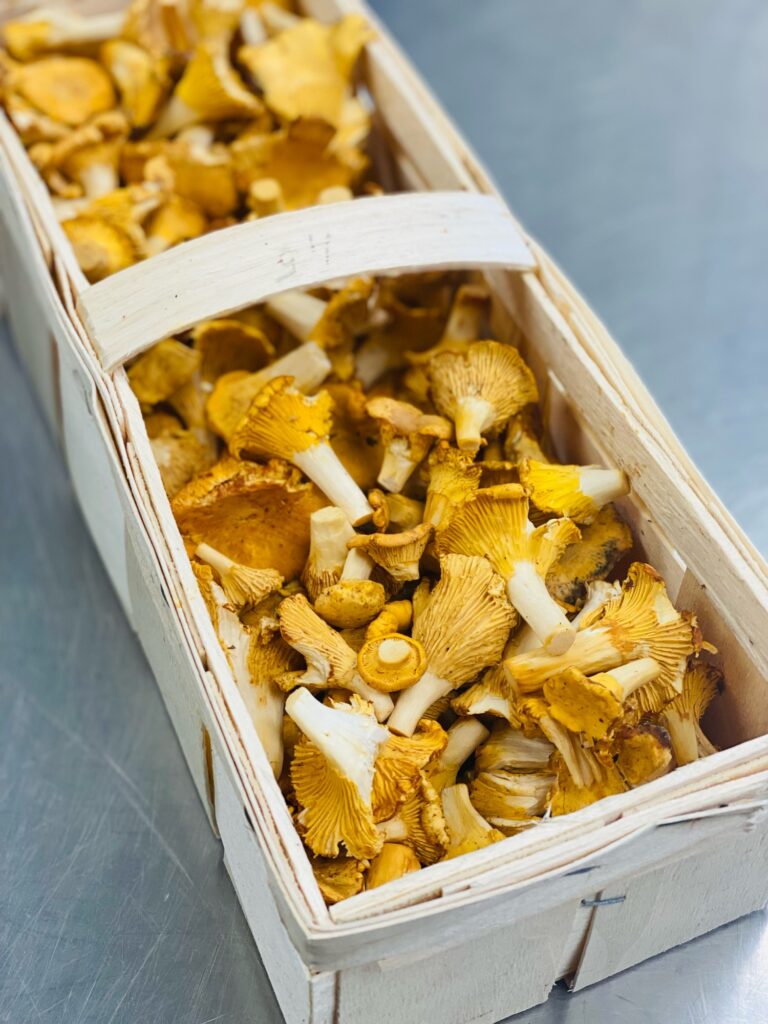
236 267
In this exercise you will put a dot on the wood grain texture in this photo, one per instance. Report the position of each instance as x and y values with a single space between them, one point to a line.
669 905
241 265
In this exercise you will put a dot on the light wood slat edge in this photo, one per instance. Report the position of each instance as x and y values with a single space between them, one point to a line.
238 266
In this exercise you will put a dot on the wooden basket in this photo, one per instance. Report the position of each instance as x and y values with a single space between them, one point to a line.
584 896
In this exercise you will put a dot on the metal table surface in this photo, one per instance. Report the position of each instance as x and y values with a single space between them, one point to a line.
630 138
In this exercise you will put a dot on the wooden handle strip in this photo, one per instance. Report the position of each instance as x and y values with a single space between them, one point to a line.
239 266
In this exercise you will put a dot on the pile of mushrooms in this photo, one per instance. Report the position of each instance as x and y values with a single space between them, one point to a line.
177 117
438 629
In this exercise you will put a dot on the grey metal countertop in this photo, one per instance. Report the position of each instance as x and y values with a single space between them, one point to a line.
630 138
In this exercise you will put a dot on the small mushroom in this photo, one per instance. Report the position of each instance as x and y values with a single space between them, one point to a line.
245 587
283 422
407 435
453 480
392 662
398 553
480 389
142 80
349 604
393 862
578 492
68 89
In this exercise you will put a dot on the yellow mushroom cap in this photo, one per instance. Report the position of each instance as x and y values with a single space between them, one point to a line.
339 877
506 798
257 515
511 749
348 604
142 80
643 753
701 684
68 89
161 370
399 766
305 70
419 823
282 421
391 662
453 479
578 492
329 659
228 344
394 861
180 456
480 389
49 28
177 220
101 248
332 774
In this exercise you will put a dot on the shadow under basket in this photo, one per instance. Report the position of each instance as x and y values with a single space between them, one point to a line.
581 896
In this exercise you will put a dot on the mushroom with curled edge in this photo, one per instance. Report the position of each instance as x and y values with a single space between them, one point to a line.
391 662
419 824
245 587
143 81
332 774
603 543
463 629
283 422
210 89
578 492
305 71
399 766
156 374
331 662
70 90
233 392
453 479
643 753
495 524
480 389
407 434
398 553
640 623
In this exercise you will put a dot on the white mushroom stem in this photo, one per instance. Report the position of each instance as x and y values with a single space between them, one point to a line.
214 558
98 180
277 19
473 416
394 831
323 467
265 702
382 702
413 702
297 311
358 565
372 360
635 674
174 116
464 737
308 365
329 531
528 592
396 466
602 485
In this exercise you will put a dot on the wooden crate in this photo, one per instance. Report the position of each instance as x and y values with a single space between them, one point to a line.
584 896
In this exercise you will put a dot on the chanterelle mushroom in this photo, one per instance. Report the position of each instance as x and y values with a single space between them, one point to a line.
283 422
398 553
407 434
701 684
640 623
480 389
463 628
68 89
495 524
394 861
49 28
578 492
467 829
332 774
